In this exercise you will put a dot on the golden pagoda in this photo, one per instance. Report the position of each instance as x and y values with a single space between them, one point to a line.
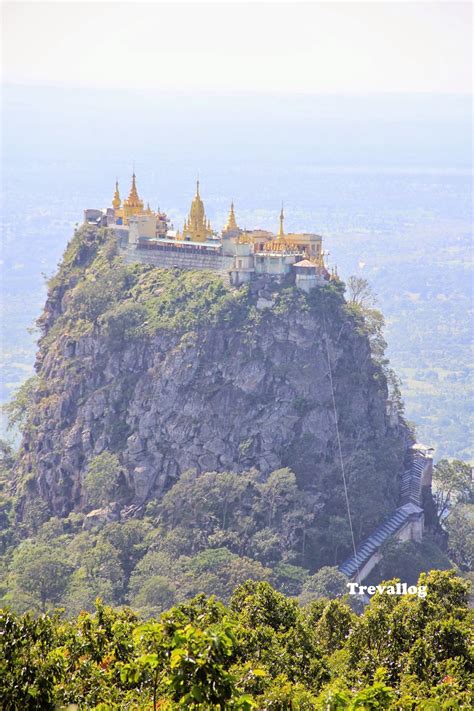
279 244
305 243
231 225
196 228
131 207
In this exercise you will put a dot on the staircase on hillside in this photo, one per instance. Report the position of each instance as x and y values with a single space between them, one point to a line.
405 523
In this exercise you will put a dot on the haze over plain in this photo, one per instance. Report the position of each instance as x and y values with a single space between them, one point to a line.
357 115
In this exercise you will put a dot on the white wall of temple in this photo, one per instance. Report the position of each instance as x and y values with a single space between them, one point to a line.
306 282
273 264
182 259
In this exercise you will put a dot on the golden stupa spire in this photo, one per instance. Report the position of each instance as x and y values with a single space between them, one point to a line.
133 190
116 202
132 205
197 227
281 232
231 221
133 200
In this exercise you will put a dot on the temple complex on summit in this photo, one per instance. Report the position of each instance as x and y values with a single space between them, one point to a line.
146 235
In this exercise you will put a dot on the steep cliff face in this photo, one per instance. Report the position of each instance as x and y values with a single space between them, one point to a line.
173 371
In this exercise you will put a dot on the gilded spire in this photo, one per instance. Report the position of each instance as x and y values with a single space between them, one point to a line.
133 202
132 205
281 232
198 227
133 190
231 221
116 202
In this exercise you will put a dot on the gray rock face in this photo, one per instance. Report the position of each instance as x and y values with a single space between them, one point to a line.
97 517
220 398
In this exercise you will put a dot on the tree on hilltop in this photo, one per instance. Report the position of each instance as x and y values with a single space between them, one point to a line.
360 292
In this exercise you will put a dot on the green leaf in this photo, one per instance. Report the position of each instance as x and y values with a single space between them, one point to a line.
196 693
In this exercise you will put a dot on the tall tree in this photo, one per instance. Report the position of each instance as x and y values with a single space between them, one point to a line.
39 575
452 485
360 292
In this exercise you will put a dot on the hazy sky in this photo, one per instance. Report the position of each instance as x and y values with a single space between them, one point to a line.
308 47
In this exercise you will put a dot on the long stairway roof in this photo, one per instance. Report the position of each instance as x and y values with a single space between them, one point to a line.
410 506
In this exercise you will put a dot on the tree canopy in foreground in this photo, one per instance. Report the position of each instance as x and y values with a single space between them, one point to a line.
263 651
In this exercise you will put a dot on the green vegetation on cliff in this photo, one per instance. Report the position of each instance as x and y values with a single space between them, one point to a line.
208 533
161 399
126 301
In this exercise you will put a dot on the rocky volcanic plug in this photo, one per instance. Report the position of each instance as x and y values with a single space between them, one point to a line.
172 371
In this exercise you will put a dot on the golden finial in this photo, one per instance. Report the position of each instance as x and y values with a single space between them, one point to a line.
116 202
281 232
197 187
